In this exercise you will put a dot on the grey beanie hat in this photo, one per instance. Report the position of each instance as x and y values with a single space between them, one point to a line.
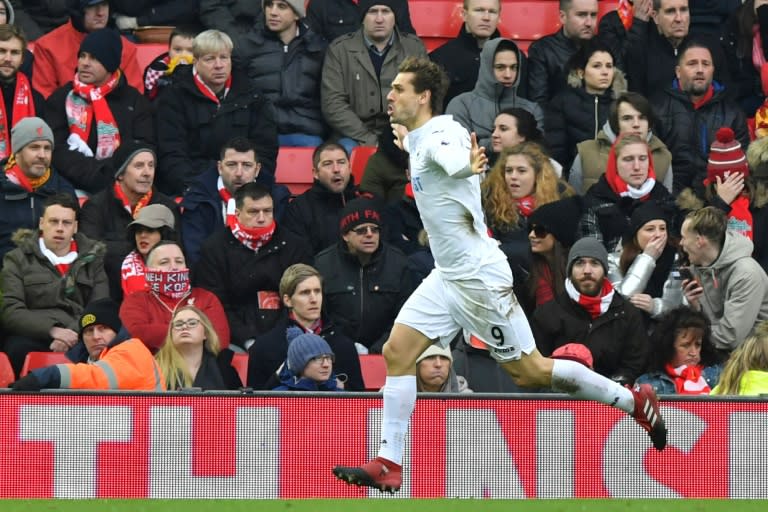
28 130
588 247
303 348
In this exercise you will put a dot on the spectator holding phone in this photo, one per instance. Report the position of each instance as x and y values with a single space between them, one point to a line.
728 285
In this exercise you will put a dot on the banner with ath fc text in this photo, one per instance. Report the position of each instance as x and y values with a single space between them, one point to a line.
284 446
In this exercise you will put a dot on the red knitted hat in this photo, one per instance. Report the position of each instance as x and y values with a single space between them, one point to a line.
725 155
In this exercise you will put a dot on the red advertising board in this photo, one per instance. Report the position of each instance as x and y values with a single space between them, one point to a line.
280 446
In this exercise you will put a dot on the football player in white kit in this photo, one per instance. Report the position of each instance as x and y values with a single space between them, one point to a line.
471 285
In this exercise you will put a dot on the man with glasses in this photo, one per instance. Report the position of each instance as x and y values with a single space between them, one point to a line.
365 280
460 57
209 202
242 263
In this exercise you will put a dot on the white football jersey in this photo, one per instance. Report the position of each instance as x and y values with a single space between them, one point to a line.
448 197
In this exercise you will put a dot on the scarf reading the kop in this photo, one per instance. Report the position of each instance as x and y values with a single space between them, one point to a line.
86 102
595 306
169 283
23 106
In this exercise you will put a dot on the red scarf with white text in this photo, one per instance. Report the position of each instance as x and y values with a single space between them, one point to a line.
141 203
740 218
688 379
526 205
595 306
169 283
252 238
62 263
132 274
207 91
23 106
86 102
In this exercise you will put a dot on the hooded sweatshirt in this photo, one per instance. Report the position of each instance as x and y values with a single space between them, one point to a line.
735 292
477 110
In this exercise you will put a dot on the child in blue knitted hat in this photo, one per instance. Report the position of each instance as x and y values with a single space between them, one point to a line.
309 364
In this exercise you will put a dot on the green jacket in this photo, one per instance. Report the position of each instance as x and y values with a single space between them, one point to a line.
37 297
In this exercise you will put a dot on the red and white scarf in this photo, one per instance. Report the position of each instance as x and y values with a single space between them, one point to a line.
86 102
23 106
526 205
207 91
626 12
688 379
62 263
169 283
229 206
252 238
621 187
595 306
740 218
141 203
132 274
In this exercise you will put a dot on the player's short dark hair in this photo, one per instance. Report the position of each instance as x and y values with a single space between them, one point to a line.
427 76
329 144
252 190
64 200
239 144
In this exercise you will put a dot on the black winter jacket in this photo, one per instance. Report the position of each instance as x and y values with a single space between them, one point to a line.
133 115
315 214
289 76
689 133
239 277
617 338
103 217
191 128
269 351
547 66
158 12
364 300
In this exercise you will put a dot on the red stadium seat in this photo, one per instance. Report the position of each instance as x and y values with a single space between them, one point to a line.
147 52
436 21
294 168
527 21
240 364
606 6
36 360
358 160
374 371
6 372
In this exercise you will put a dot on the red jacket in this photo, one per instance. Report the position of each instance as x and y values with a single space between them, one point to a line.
56 60
126 366
146 318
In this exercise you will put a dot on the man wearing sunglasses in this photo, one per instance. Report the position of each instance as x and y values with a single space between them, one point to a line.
365 280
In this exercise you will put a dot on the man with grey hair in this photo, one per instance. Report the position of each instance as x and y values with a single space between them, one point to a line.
207 105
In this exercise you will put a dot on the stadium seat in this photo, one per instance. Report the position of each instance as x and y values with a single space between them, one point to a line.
436 21
606 6
527 21
358 160
374 371
36 360
147 52
294 168
6 372
240 364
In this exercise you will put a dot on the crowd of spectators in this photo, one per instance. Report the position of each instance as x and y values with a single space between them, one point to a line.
141 214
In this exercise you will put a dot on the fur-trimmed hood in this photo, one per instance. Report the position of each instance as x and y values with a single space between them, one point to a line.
618 86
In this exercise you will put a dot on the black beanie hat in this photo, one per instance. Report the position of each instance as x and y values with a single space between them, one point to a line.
125 153
359 211
561 218
106 46
103 312
365 5
646 212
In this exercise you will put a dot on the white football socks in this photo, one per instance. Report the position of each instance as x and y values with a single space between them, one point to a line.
399 402
579 381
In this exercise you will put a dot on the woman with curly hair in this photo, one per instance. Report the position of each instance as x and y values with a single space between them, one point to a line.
683 359
522 180
191 355
746 371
